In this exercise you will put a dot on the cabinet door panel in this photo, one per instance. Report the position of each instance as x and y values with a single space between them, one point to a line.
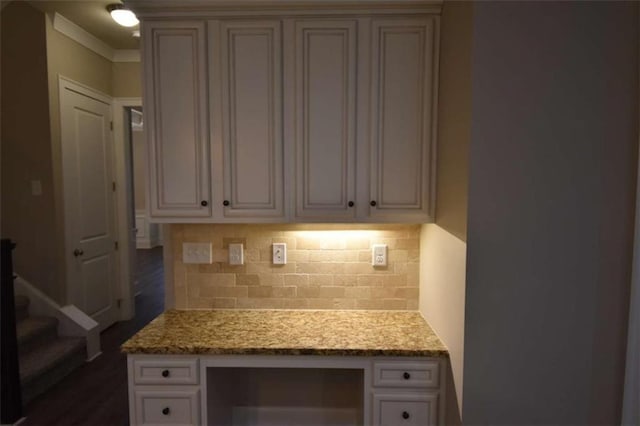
252 118
402 100
175 104
325 88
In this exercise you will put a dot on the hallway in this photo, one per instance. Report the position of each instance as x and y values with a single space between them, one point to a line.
96 393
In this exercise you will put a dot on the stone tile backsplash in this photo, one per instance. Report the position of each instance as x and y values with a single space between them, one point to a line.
328 267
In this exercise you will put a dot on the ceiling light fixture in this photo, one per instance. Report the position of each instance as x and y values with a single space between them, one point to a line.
122 15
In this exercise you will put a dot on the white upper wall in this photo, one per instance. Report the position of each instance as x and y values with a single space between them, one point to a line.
551 200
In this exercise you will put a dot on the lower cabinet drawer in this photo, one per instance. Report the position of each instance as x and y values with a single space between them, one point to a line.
167 371
170 407
407 374
395 409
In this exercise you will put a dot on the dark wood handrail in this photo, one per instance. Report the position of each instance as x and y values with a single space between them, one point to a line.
10 390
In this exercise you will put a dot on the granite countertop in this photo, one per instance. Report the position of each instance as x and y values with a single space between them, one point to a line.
287 332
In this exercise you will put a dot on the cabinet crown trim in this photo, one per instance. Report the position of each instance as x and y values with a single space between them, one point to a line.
211 8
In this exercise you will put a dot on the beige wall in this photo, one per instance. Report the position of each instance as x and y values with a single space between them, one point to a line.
68 58
454 117
126 80
139 150
327 268
442 289
33 56
26 150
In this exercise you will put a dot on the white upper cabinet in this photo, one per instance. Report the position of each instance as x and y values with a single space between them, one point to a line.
291 113
176 109
325 120
251 118
402 131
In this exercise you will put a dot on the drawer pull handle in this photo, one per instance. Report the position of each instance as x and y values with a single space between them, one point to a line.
406 375
166 411
165 373
405 415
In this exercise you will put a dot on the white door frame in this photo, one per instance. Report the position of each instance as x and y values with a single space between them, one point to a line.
65 83
123 203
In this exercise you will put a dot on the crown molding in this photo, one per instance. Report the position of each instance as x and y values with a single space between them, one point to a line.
91 42
155 9
126 55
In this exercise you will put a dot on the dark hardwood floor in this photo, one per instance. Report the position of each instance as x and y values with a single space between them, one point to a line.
96 393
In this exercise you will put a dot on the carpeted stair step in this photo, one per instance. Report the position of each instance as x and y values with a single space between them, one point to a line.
22 307
35 331
46 364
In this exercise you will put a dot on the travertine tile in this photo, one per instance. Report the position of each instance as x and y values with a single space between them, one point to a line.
320 280
328 267
223 303
297 280
247 279
219 291
274 280
261 291
357 292
284 291
331 292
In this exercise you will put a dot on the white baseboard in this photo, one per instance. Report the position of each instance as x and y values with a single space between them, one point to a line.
71 320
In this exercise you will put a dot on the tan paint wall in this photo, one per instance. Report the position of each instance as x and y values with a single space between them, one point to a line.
454 117
442 296
328 267
70 59
126 80
139 149
26 150
33 56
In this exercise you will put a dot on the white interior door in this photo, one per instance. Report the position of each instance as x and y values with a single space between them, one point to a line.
89 202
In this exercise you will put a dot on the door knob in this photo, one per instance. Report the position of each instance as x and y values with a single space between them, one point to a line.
78 252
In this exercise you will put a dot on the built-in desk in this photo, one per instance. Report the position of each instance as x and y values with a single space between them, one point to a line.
285 367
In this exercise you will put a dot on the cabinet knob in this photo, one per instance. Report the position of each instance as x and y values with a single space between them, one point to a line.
406 375
225 203
405 415
373 203
166 411
204 203
78 252
165 373
350 203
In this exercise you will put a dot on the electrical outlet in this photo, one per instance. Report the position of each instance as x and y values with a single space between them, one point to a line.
279 253
236 255
196 253
379 255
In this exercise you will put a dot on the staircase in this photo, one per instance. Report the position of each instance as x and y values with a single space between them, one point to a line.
44 357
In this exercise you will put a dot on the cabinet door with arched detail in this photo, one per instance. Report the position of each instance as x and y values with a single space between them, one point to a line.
175 102
402 118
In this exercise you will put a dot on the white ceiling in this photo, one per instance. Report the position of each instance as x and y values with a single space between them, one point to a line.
93 17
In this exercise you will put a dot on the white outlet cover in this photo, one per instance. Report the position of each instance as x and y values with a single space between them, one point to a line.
379 255
236 254
196 253
279 253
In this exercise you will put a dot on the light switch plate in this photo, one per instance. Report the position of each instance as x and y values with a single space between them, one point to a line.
196 253
279 253
379 255
236 254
